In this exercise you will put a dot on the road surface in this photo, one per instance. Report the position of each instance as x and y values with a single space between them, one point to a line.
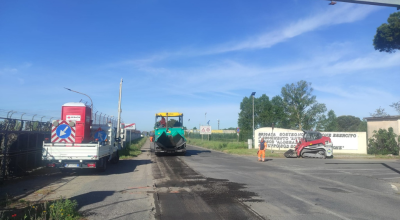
206 184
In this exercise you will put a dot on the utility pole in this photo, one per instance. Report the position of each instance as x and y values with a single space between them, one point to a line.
253 94
218 124
119 113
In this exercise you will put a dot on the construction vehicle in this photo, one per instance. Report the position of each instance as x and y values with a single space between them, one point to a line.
312 145
169 135
76 142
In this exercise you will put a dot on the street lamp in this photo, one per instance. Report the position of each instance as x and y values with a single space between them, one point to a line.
205 118
253 94
91 106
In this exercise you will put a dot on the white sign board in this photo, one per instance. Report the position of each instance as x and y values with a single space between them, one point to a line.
73 117
131 126
285 139
205 129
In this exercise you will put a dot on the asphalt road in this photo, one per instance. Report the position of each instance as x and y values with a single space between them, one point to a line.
207 184
305 188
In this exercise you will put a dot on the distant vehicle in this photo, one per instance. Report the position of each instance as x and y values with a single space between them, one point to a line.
169 134
312 145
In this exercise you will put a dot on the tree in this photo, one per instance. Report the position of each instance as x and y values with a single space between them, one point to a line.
302 108
266 112
384 142
362 127
380 112
263 112
396 105
387 37
246 114
173 123
328 123
348 123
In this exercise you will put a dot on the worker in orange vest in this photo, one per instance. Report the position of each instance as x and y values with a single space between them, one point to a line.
151 138
261 150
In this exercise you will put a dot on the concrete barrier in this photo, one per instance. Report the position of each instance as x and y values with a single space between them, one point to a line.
284 139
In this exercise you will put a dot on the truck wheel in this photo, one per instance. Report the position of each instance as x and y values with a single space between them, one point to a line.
103 164
115 159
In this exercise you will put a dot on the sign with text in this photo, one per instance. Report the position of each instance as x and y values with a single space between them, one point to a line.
73 117
205 129
285 138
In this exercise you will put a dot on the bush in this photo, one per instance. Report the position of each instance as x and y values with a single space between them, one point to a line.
133 148
384 142
61 209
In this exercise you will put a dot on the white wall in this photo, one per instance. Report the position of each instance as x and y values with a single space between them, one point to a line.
284 139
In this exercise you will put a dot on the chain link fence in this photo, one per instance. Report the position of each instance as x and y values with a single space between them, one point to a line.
21 145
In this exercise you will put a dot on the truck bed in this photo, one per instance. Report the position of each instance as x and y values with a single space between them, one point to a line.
62 151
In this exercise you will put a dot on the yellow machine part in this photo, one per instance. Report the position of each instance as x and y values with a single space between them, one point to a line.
169 114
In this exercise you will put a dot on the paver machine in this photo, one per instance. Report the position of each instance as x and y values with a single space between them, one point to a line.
312 145
169 135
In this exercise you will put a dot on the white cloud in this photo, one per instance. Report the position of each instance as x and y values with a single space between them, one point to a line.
345 13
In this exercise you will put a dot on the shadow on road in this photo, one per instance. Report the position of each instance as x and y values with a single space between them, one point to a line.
383 164
196 152
46 177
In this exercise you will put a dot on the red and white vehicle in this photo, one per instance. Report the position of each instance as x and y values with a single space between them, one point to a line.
77 143
312 145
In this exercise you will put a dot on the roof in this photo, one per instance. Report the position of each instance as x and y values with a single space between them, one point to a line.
169 114
80 104
383 118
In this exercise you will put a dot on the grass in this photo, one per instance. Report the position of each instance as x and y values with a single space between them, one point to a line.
241 148
132 149
60 209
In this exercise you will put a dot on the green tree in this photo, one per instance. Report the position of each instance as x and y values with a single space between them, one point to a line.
380 112
387 37
262 111
266 112
279 116
384 142
396 105
348 123
302 108
245 120
362 127
173 123
328 123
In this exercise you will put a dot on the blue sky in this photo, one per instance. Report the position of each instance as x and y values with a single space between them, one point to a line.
191 56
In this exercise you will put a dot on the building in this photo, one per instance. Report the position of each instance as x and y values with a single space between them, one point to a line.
376 123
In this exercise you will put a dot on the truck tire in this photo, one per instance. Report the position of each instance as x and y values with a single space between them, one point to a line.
103 164
115 159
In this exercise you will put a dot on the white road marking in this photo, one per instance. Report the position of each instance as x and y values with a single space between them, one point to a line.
326 210
390 178
394 187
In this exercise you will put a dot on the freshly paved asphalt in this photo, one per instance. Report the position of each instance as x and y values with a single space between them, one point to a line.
307 188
